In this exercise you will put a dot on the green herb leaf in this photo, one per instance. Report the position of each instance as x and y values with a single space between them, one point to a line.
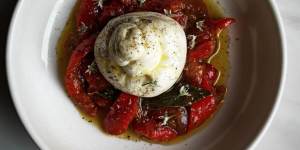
109 93
183 95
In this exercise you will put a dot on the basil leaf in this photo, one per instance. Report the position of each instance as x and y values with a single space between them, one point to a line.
109 93
177 97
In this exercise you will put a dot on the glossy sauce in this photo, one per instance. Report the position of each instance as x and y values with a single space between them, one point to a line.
65 45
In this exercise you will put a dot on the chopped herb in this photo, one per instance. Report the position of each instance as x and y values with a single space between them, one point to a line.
92 68
184 95
83 28
184 91
200 24
166 118
168 12
150 83
141 2
99 3
191 41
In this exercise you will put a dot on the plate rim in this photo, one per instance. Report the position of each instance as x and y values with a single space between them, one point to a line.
282 35
255 141
33 135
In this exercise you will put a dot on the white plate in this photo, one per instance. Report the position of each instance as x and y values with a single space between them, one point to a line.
257 73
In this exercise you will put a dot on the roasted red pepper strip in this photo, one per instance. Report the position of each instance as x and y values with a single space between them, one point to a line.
173 6
95 82
102 102
200 111
95 79
74 79
206 43
121 113
219 24
181 19
202 50
86 16
150 129
129 3
162 124
202 75
193 73
210 76
111 9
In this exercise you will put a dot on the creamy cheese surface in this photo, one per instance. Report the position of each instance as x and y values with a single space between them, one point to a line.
141 53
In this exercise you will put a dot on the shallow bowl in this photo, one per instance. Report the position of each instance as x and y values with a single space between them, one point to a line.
256 76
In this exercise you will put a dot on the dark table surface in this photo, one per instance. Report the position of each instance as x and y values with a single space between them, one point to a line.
13 135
